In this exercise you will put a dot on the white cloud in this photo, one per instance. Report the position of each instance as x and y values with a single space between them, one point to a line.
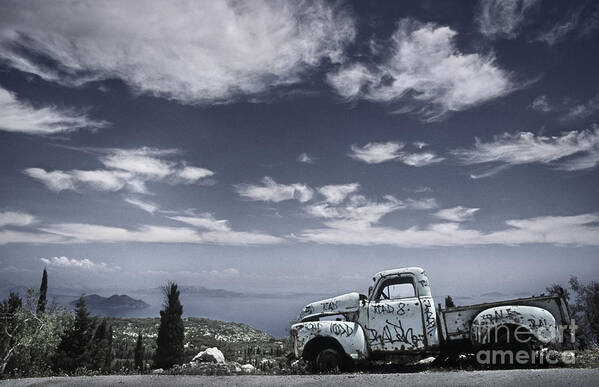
146 206
573 150
205 221
359 209
128 169
9 236
502 18
73 263
271 191
335 194
376 152
55 181
421 159
489 172
193 52
424 72
305 158
560 30
190 175
542 104
20 116
421 204
456 214
211 231
92 233
12 218
101 180
582 110
569 110
578 230
380 152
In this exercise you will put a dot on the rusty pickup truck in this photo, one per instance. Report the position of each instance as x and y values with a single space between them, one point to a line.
398 322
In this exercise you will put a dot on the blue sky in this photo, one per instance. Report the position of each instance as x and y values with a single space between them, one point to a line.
289 146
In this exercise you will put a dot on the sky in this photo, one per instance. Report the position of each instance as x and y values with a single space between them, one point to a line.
299 146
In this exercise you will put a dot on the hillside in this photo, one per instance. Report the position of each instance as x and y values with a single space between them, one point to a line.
237 341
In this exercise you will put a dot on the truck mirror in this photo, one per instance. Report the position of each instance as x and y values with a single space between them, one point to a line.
369 291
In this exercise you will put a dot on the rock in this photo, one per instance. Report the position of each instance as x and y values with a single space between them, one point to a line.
427 360
248 368
211 355
158 371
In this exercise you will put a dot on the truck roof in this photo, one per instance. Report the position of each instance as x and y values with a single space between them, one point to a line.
417 271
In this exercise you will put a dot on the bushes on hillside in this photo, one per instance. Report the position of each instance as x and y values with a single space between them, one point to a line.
583 301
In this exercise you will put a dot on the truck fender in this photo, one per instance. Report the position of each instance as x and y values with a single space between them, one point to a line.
531 320
345 335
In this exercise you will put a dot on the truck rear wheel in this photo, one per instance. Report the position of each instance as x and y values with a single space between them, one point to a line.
328 360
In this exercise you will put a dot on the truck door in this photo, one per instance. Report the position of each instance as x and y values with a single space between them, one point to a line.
395 316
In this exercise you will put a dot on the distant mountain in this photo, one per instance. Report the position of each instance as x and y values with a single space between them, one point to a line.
111 306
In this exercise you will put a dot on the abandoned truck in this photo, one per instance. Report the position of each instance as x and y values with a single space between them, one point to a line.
398 322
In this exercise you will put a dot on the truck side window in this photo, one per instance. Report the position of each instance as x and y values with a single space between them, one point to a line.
398 287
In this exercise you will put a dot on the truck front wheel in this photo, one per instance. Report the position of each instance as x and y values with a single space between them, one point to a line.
328 360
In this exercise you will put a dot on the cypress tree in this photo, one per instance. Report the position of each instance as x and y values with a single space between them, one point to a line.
139 353
75 346
109 357
171 332
41 302
99 346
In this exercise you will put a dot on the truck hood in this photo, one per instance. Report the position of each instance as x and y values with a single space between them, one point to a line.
345 303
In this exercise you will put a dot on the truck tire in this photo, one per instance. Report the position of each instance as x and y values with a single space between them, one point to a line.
328 360
508 342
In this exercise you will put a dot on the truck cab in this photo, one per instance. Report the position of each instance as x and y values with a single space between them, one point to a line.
398 322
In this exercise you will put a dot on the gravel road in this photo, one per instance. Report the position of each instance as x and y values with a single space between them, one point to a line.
525 378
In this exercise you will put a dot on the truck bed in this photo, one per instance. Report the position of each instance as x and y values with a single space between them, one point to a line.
455 322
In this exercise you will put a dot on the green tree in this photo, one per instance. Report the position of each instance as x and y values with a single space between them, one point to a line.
28 340
41 303
109 350
74 350
449 302
101 347
171 332
139 353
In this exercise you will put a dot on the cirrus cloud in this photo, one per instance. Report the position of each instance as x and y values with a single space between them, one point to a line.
194 52
20 116
424 72
502 18
578 230
571 151
271 191
126 169
380 152
13 218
